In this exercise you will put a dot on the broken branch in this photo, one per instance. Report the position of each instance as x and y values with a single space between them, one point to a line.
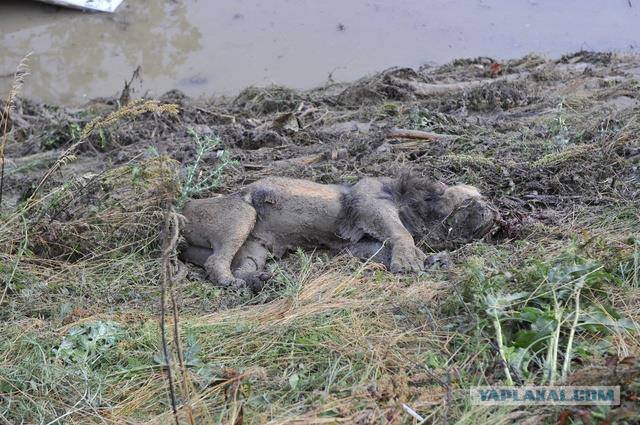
401 133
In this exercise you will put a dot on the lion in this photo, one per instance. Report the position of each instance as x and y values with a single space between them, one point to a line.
384 219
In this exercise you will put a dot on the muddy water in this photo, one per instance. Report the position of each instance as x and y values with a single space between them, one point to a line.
218 47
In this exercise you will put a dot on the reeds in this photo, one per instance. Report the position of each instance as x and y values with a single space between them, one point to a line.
22 71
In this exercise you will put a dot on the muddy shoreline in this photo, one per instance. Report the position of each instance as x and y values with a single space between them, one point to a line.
205 49
532 133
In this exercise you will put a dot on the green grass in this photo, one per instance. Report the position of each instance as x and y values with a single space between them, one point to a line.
329 343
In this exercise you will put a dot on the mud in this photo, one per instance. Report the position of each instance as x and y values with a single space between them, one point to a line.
215 48
539 137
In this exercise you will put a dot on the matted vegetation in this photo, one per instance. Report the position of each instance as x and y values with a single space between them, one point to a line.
553 296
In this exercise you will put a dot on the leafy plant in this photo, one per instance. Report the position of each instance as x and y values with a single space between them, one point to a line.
540 328
559 128
196 180
496 306
85 344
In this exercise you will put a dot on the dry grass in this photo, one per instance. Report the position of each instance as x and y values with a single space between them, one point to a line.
331 340
21 73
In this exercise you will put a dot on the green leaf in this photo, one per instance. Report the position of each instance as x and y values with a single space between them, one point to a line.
525 338
499 303
136 172
518 358
544 325
191 353
207 375
293 381
158 358
87 342
600 321
566 274
530 314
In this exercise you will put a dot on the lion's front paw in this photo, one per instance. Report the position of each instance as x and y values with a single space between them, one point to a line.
407 259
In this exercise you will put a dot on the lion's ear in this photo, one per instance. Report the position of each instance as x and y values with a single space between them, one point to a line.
433 188
409 186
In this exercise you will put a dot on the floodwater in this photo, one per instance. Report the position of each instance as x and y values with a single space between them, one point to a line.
214 47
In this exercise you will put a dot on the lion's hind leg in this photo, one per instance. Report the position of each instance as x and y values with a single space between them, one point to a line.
221 225
197 255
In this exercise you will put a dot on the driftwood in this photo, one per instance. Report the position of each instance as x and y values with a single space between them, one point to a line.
427 89
401 133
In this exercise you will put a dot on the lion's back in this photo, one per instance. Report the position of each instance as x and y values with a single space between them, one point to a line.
294 212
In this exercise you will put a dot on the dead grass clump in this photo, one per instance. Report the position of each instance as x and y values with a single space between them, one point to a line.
329 345
358 95
574 153
267 100
463 66
501 95
394 84
133 109
601 165
97 215
600 58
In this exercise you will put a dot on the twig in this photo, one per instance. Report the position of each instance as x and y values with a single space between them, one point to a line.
412 412
168 260
164 284
125 95
171 274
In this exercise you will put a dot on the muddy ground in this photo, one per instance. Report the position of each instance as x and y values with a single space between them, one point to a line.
518 131
554 144
538 137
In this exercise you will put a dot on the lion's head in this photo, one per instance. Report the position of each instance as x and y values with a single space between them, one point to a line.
462 214
441 216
